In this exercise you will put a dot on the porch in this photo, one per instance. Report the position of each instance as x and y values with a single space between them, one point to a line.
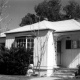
67 49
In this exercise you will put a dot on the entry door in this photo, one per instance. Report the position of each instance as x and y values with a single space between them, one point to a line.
58 53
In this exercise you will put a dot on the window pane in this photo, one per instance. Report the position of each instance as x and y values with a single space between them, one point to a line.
24 45
28 40
32 40
24 40
28 45
78 43
74 44
21 41
68 44
32 44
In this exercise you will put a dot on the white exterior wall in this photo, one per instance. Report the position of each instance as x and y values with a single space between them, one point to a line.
40 49
11 37
44 43
39 41
70 57
9 40
51 55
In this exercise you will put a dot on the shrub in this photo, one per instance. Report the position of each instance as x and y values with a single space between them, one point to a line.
14 61
78 71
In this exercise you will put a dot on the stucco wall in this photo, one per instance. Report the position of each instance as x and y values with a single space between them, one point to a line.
70 57
40 45
51 53
40 49
9 40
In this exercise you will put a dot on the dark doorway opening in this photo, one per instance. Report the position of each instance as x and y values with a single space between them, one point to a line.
59 53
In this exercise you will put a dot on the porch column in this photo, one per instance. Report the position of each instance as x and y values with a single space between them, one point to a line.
51 54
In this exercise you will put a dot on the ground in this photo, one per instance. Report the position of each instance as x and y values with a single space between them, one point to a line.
6 77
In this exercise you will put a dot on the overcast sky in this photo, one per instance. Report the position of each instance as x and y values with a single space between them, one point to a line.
17 9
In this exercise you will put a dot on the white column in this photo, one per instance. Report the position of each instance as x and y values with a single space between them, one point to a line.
26 42
35 51
51 54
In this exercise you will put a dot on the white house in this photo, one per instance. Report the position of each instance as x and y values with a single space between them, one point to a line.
54 44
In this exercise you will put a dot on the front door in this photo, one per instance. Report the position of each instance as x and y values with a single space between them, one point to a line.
58 53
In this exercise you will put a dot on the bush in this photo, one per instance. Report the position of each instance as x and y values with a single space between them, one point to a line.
14 61
78 71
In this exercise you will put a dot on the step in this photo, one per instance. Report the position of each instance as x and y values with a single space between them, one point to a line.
62 76
64 72
60 73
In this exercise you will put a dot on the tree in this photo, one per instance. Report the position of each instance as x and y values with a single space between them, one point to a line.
52 11
49 9
29 19
3 6
72 10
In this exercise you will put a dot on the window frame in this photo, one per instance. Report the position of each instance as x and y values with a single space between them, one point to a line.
75 44
68 46
29 39
31 45
31 42
19 39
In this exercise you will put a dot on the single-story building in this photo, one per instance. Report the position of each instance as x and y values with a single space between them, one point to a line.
54 44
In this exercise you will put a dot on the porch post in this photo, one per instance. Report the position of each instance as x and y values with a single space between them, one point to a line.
51 54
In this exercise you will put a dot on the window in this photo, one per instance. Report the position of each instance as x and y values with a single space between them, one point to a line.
21 41
68 44
72 44
78 44
30 45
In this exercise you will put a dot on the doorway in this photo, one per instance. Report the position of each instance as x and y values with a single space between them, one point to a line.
58 53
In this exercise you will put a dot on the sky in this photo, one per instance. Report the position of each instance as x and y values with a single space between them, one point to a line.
17 9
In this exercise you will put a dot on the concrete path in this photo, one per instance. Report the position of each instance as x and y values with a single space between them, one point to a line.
52 78
46 78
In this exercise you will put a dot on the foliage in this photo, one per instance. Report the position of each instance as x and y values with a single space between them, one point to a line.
72 10
49 9
45 10
78 71
29 19
52 10
14 61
